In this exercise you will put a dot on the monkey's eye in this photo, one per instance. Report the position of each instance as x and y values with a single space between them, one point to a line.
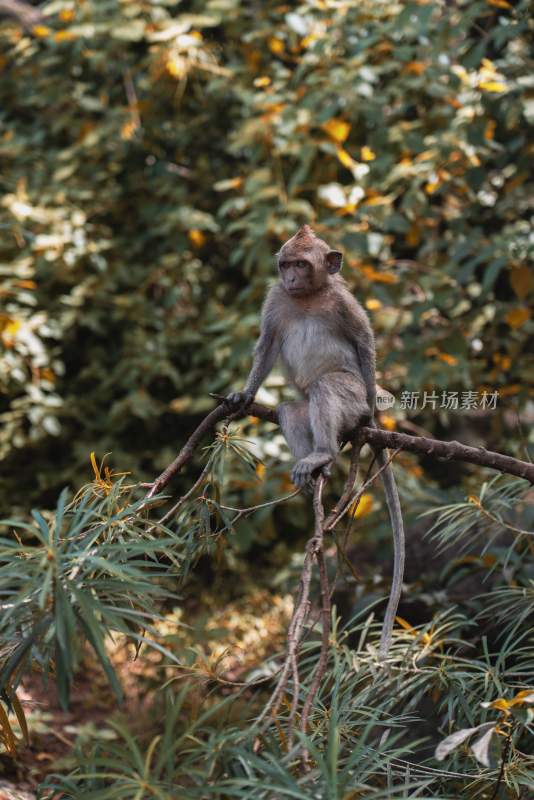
301 264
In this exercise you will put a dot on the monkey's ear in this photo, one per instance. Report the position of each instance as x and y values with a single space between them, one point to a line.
334 260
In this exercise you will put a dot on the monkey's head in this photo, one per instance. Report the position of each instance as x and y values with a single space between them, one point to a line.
306 263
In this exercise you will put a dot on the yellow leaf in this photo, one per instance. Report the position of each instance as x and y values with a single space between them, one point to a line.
19 712
373 304
253 58
362 507
493 86
388 422
25 284
66 15
345 158
448 359
500 704
425 155
412 237
488 65
517 317
379 200
271 110
406 625
226 185
383 48
40 31
426 637
95 466
458 562
264 80
11 327
415 67
308 40
499 3
176 67
522 697
260 471
490 130
275 45
509 391
504 362
6 733
515 182
196 237
379 277
64 36
367 154
128 129
431 186
338 129
521 280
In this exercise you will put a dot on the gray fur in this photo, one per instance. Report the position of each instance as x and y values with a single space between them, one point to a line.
325 342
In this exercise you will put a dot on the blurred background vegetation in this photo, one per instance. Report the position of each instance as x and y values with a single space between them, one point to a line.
154 155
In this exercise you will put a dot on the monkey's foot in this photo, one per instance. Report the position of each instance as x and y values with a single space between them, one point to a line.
302 473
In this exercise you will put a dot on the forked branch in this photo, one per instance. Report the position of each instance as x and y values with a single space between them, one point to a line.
376 437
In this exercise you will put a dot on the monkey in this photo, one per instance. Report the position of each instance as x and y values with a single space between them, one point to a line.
323 337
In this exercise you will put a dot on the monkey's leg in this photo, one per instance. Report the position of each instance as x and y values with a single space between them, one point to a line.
294 420
337 404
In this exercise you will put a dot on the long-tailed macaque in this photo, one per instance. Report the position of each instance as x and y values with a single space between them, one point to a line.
325 341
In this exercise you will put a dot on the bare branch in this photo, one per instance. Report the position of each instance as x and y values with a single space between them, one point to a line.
376 437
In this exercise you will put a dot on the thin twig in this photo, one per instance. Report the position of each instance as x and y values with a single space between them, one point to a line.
325 638
187 495
348 488
274 502
334 519
300 615
504 759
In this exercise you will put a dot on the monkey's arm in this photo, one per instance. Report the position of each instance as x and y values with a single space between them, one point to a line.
362 338
265 354
365 347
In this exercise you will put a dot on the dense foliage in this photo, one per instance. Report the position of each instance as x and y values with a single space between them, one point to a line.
154 156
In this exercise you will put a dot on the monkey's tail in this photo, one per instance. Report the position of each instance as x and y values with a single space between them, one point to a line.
395 515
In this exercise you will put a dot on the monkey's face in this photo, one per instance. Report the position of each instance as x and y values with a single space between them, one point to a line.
306 263
306 272
297 275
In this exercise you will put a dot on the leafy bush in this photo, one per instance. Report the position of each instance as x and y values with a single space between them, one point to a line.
155 154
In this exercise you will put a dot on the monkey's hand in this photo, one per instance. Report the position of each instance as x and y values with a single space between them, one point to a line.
239 400
302 473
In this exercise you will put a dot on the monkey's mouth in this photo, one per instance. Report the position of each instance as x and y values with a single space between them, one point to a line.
297 289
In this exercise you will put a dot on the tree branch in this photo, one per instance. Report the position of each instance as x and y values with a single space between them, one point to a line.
422 445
